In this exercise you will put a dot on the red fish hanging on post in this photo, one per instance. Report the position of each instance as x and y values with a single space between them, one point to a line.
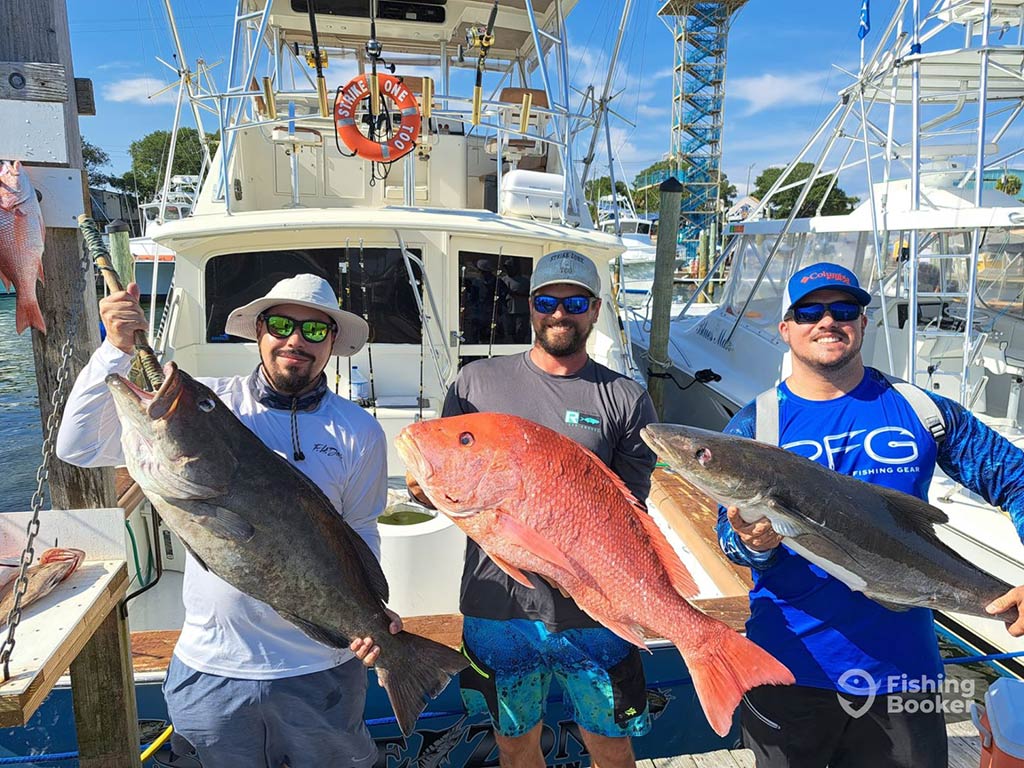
21 243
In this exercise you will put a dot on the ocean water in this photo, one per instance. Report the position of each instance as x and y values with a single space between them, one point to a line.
21 433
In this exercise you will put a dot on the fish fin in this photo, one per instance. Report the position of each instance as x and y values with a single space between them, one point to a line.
414 670
631 633
511 570
724 669
912 513
371 566
513 531
323 635
226 524
787 528
681 579
27 314
6 283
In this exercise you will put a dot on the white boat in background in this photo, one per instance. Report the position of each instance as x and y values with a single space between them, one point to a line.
154 263
933 108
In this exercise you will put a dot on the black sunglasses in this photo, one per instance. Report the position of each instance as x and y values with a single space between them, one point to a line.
573 305
841 311
282 326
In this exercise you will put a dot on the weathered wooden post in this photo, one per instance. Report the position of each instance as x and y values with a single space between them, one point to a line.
661 292
40 101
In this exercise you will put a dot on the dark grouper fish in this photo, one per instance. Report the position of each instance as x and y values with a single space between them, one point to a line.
875 540
265 528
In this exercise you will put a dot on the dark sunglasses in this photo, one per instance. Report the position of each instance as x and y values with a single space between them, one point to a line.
841 311
573 305
282 326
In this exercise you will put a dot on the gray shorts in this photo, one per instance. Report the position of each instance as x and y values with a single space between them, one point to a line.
307 721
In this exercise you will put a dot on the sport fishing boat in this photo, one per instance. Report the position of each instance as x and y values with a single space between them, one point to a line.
426 203
154 263
926 124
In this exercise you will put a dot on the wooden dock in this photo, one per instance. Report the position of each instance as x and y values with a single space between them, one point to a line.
964 752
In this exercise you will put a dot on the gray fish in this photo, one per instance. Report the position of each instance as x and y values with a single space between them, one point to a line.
265 528
875 540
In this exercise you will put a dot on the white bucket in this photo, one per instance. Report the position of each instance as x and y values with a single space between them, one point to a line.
422 563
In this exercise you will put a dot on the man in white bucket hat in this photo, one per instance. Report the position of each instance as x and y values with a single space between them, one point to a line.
245 686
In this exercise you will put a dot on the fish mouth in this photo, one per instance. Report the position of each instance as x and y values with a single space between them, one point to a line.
657 440
156 405
406 446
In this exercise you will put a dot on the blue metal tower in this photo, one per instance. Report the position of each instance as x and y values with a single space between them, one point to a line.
700 29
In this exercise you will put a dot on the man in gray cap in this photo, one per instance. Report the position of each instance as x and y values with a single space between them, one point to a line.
517 638
245 686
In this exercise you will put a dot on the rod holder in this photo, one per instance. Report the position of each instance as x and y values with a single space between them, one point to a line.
478 97
269 101
374 84
524 115
321 92
428 99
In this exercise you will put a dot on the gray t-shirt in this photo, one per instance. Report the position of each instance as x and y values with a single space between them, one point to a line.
598 408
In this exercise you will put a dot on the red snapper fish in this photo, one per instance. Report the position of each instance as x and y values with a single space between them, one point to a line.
537 501
54 566
21 243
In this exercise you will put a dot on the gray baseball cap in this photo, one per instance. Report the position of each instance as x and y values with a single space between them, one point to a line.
566 267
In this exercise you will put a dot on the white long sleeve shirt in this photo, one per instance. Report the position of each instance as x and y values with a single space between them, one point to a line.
227 632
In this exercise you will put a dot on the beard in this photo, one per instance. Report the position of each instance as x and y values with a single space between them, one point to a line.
563 345
833 366
290 381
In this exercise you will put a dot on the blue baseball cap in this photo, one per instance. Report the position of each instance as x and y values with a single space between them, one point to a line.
822 276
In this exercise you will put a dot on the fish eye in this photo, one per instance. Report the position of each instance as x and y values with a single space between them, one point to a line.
466 438
703 455
206 405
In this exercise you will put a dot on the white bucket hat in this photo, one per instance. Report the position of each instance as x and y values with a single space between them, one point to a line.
307 291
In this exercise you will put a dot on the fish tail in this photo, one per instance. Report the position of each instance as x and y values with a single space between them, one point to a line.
27 314
421 670
727 668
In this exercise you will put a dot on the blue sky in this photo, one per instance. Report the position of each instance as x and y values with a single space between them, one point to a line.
780 80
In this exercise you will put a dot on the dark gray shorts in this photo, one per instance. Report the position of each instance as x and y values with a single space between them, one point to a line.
309 721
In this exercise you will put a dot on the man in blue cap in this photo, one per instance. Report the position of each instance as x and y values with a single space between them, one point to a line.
869 680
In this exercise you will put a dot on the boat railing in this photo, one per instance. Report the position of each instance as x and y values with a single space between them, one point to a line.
440 355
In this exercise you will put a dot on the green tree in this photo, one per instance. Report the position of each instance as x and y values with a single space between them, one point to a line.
149 158
1009 184
726 192
597 188
779 207
94 158
645 197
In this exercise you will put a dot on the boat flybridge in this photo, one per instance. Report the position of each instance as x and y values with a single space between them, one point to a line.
927 129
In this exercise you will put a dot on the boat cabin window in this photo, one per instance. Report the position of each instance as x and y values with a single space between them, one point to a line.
431 11
390 306
494 298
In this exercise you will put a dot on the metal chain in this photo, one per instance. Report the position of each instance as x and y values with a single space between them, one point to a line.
42 474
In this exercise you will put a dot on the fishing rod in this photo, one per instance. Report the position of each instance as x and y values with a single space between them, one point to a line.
101 257
484 40
318 61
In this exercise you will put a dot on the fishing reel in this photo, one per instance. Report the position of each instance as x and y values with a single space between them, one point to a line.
479 37
375 52
311 61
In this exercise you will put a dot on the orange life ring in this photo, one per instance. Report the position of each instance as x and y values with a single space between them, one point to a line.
404 139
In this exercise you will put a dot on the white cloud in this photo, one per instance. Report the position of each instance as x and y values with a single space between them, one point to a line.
646 110
770 90
138 90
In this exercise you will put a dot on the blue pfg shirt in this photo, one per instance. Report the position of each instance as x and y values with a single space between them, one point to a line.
812 622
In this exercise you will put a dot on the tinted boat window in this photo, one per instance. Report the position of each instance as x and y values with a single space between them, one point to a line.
235 279
494 290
